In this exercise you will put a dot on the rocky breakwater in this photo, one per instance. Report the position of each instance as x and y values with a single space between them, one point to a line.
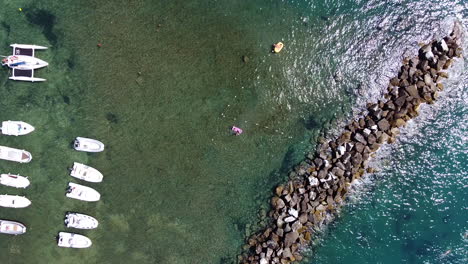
318 185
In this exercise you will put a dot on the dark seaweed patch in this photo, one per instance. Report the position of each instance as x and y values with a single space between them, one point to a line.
71 63
6 26
111 117
66 99
46 20
311 123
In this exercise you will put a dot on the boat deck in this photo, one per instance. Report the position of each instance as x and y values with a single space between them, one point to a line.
25 52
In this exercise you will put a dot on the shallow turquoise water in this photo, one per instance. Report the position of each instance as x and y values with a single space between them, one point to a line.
161 93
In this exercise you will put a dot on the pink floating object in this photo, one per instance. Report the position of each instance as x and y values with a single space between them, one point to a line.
236 130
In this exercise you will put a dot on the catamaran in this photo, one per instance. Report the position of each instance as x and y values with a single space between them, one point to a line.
23 62
13 154
16 128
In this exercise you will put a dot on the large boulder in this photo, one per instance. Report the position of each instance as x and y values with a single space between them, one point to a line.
360 138
412 90
383 125
290 238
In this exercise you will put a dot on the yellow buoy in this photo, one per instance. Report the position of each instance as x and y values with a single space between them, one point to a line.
278 47
20 9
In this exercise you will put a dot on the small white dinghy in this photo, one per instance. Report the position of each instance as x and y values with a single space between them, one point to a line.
14 201
85 173
12 227
12 180
88 144
80 221
13 154
73 240
81 192
16 128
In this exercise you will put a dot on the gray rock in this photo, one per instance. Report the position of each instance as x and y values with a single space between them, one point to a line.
428 79
400 100
313 181
357 159
296 225
371 139
360 138
287 253
290 238
280 203
412 90
345 157
383 125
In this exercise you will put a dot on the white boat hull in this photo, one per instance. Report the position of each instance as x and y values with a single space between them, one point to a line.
22 62
85 173
71 240
80 221
83 193
26 79
88 145
14 201
12 227
16 128
12 180
13 154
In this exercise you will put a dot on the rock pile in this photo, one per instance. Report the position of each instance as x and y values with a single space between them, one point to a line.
319 185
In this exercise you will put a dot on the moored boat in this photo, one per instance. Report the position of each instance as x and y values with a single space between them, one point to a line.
278 47
71 240
85 173
14 201
13 154
81 192
16 128
23 62
80 221
12 227
12 180
88 144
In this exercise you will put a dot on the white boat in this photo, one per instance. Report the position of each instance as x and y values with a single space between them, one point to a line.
23 62
13 154
14 201
80 221
16 128
88 145
12 227
81 192
73 240
85 173
12 180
